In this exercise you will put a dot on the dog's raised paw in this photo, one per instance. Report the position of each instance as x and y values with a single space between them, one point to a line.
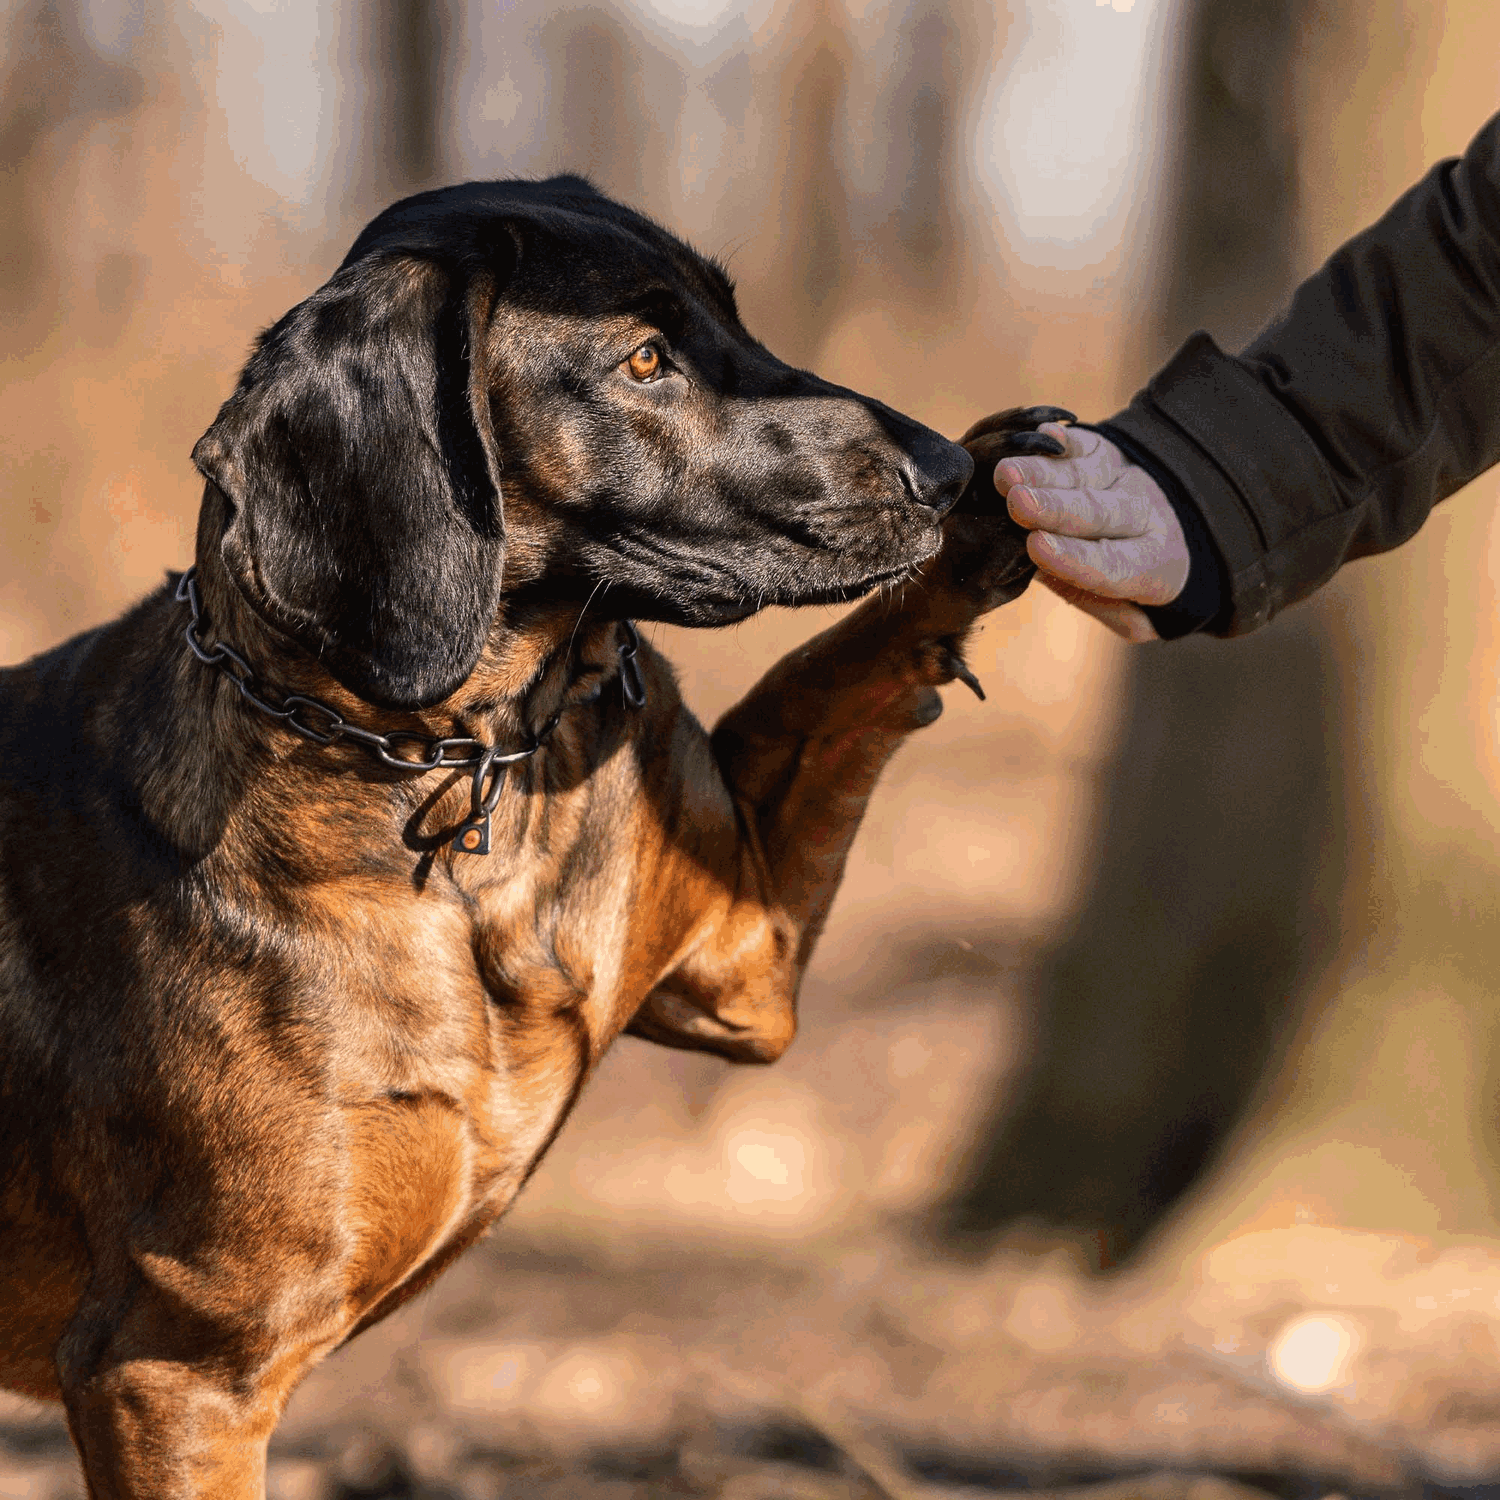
1006 434
987 550
1014 420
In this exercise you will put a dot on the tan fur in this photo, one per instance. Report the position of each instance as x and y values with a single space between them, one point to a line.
331 1151
272 1052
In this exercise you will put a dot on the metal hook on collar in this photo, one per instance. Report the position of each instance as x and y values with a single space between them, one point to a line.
632 684
473 837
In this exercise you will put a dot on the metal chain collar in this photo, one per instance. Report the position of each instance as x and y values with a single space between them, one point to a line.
452 753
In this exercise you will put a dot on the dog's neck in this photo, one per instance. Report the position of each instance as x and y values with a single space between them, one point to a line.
535 666
338 807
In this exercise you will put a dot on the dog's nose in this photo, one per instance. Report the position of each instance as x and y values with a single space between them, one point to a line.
940 474
934 471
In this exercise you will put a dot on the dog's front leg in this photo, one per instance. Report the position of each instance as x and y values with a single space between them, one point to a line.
801 753
803 750
176 1364
156 1415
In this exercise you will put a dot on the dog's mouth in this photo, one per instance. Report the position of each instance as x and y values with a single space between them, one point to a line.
712 610
847 593
651 577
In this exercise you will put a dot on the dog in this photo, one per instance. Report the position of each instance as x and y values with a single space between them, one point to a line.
332 868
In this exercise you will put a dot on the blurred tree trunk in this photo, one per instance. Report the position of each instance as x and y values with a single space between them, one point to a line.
55 88
923 234
1220 841
904 242
403 53
613 102
804 112
1231 255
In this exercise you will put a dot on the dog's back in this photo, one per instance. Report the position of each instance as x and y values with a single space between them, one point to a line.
56 881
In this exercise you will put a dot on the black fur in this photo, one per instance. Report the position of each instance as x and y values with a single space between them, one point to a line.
471 346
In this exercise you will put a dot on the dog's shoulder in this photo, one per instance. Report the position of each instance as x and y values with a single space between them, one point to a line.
80 725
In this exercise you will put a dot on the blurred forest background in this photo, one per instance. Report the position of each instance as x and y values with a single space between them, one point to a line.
1153 1029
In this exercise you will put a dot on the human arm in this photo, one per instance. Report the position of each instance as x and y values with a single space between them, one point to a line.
1335 432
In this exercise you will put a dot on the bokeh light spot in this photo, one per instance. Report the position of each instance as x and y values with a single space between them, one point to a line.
1312 1353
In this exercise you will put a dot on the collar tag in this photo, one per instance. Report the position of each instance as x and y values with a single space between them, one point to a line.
473 836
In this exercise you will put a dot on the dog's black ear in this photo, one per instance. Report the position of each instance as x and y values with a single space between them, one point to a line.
358 458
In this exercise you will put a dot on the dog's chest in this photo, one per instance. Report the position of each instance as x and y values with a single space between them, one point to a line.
584 904
476 1005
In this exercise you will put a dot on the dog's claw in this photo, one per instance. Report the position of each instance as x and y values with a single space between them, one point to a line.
960 670
1036 415
1033 442
1016 419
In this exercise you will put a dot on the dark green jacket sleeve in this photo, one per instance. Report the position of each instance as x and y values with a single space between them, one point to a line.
1340 427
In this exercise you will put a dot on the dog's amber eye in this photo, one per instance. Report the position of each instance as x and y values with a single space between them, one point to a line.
644 363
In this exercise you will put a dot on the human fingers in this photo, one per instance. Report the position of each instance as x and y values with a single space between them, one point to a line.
1124 509
1119 615
1148 569
1088 461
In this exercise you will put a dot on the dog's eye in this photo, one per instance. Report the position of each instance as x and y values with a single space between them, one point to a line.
645 363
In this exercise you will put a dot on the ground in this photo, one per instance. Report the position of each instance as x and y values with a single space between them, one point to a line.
723 1283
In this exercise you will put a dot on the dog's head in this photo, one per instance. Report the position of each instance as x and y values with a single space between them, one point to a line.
514 391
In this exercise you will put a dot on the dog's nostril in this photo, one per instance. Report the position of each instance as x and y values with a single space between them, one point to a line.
936 479
943 497
940 496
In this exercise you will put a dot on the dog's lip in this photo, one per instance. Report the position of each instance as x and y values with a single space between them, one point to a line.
843 593
728 610
874 580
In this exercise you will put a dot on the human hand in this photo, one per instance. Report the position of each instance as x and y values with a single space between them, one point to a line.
1103 534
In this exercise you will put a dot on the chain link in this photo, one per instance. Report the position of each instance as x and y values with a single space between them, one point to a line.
452 753
302 714
632 684
455 752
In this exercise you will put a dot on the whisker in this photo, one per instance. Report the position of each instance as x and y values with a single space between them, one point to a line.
602 583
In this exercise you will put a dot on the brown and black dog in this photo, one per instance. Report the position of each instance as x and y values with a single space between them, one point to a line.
277 1040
